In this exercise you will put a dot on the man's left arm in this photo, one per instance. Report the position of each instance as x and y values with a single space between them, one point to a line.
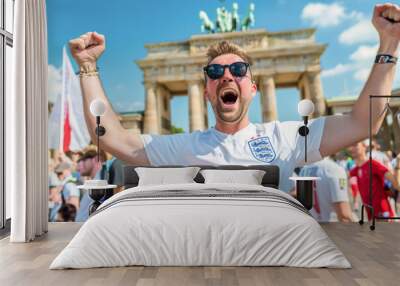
344 130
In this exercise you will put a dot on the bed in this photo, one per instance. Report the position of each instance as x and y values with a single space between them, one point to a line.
201 224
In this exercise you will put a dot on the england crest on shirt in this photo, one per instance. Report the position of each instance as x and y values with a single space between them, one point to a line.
261 149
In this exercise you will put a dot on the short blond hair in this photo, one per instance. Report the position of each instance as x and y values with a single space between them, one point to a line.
225 47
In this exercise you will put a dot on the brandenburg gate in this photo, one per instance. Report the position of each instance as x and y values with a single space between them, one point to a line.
280 59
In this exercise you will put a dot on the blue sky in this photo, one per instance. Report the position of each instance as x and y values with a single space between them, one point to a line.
128 25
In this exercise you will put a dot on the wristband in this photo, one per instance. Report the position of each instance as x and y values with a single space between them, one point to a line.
87 72
385 59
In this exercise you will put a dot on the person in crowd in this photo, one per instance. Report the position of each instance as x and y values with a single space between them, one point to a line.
73 157
379 155
90 168
66 213
70 194
55 200
396 169
90 163
380 201
331 199
347 163
383 158
341 159
355 192
113 171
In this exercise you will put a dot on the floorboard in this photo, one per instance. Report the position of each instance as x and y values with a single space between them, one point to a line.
374 255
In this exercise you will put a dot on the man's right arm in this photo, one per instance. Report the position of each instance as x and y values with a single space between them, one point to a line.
118 141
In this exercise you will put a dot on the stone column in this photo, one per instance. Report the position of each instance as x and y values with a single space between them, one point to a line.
304 88
196 106
150 113
163 109
204 106
159 104
268 98
316 93
167 112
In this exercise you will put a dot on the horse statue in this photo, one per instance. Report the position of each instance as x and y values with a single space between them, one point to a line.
249 20
221 20
207 25
227 21
235 17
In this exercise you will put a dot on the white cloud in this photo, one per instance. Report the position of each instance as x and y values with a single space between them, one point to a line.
355 15
338 69
54 84
363 59
360 62
361 32
362 74
330 15
364 53
324 15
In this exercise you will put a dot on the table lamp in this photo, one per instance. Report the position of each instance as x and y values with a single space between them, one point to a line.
305 185
99 190
305 109
98 108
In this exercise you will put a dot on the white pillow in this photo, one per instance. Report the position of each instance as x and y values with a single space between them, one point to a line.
249 177
163 176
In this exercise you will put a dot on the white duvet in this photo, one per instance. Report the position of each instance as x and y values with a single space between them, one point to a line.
269 228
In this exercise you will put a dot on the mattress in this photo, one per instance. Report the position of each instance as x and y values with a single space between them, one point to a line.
201 225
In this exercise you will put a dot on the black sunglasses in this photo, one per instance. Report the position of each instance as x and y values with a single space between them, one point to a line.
216 71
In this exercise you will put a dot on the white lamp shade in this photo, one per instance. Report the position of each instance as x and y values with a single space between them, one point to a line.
97 107
305 107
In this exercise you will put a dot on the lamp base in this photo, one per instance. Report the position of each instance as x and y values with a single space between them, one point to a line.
304 193
304 190
96 195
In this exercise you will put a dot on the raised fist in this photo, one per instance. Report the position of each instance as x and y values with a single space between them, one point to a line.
386 19
87 48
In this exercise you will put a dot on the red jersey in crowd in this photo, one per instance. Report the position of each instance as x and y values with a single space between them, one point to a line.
380 200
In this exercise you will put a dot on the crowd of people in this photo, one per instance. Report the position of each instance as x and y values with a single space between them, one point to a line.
345 184
343 187
70 169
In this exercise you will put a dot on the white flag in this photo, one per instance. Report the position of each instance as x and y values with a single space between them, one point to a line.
67 126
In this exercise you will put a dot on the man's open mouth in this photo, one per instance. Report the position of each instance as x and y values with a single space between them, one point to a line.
229 96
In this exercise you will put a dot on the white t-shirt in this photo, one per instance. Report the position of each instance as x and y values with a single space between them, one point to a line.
332 188
273 143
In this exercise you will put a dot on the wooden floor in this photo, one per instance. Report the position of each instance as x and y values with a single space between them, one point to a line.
375 257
